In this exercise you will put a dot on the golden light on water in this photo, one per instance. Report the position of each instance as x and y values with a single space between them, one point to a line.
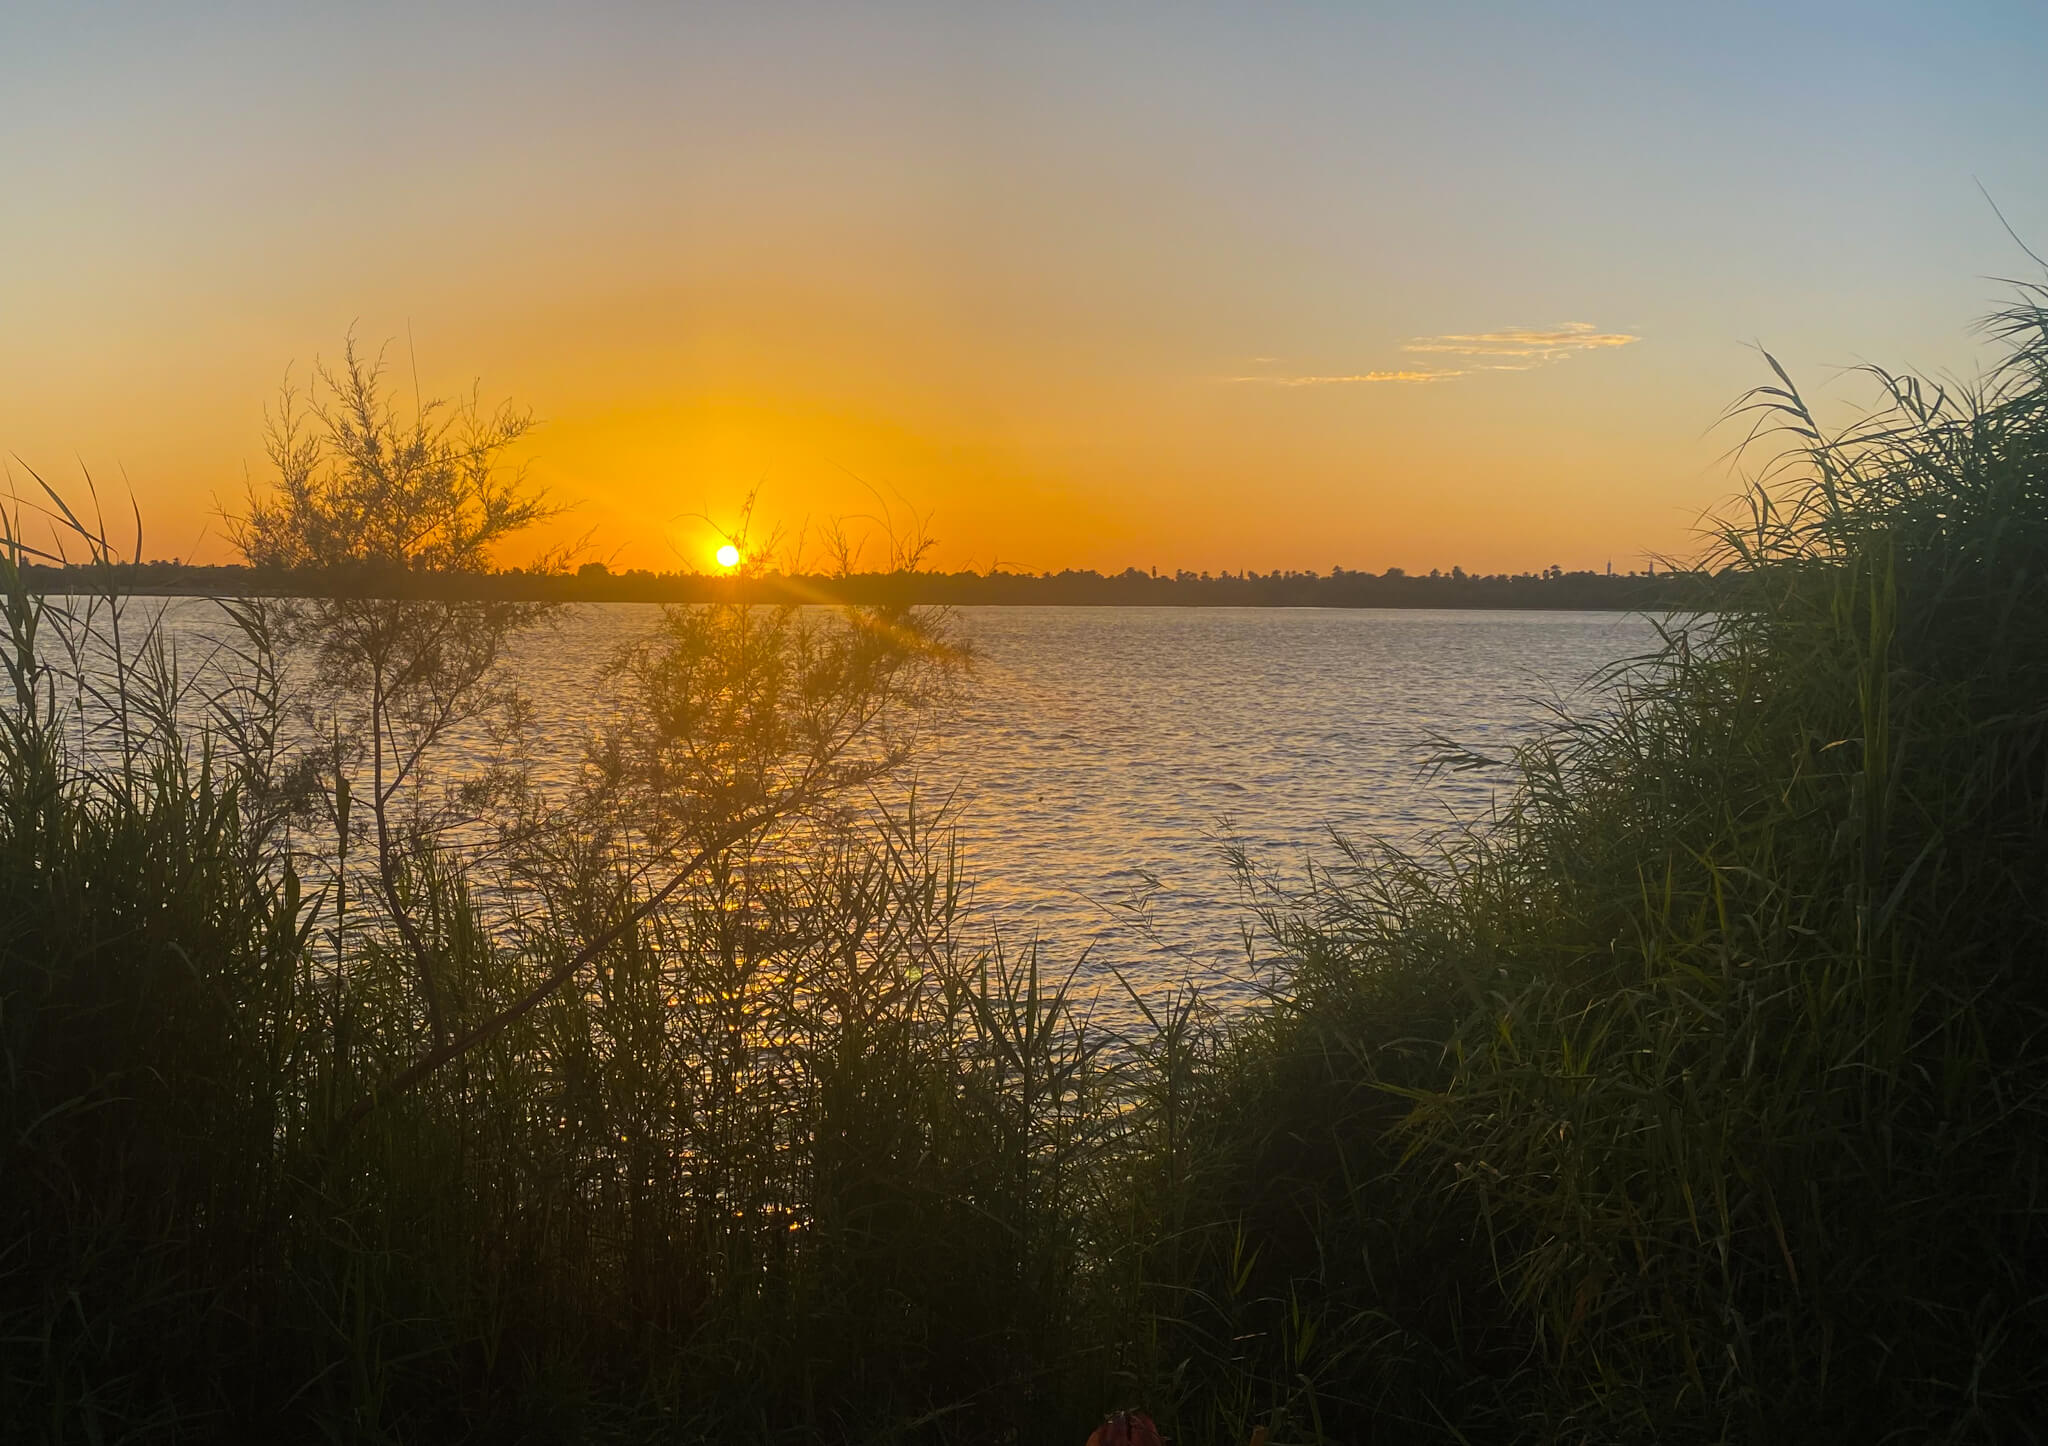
728 556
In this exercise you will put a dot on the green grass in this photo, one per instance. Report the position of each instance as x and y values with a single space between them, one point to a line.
1701 1097
784 1160
1697 1097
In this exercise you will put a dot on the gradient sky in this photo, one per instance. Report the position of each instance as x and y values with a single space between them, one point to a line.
1273 285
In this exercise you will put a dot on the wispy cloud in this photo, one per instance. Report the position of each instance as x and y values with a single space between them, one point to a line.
1519 350
1527 346
1354 378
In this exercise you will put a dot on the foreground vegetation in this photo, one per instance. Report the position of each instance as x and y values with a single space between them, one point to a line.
1697 1097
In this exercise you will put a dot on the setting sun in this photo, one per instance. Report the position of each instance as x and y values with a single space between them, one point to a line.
728 556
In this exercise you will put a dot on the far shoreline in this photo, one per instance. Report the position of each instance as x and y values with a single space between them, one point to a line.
1551 591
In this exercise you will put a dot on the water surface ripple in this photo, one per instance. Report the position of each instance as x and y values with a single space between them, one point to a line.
1107 755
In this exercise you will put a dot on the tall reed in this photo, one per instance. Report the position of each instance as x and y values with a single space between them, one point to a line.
1700 1096
778 1154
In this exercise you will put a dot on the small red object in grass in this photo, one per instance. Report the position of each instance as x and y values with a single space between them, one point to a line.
1127 1428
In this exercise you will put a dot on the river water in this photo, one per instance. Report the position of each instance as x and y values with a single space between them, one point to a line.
1107 757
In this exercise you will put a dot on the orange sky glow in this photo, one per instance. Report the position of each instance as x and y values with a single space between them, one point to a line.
1207 288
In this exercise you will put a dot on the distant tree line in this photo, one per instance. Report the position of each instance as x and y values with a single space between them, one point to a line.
595 582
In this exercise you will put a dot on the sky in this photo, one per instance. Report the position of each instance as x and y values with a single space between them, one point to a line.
1095 285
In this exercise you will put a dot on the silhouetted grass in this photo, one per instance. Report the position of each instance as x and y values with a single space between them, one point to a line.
783 1160
1701 1096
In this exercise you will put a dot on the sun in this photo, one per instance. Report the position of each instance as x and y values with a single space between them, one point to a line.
728 555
